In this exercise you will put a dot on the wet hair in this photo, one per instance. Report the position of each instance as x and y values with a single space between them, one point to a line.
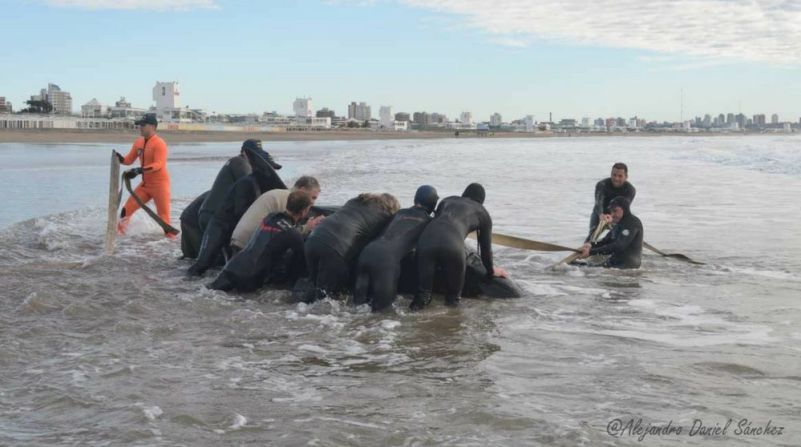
387 202
622 166
298 201
476 192
307 182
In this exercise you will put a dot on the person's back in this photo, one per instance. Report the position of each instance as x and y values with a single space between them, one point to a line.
335 244
269 202
348 230
378 268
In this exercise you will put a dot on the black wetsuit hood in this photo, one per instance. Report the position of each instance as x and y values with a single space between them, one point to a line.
476 192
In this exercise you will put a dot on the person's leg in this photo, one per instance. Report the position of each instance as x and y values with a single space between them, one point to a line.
130 207
426 268
161 195
453 267
384 288
361 289
333 274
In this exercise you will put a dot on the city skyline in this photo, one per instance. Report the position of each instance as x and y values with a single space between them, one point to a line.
449 57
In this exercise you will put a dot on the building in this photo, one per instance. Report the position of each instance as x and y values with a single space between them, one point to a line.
387 116
302 107
496 119
759 120
61 101
359 112
122 109
402 116
585 122
421 119
530 123
466 118
438 119
325 112
730 119
5 106
94 109
774 119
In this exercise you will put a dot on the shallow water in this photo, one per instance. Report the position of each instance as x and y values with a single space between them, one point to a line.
122 350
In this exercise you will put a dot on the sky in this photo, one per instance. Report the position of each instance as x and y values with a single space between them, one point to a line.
572 58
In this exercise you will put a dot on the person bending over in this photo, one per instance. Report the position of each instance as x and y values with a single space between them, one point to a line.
271 202
333 247
442 245
378 269
274 254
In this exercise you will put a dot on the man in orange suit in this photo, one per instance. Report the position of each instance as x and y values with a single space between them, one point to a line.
151 151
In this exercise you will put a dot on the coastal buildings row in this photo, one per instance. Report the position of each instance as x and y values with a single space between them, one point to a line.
52 108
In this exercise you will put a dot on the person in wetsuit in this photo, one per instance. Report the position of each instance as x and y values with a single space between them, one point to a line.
333 247
378 269
270 202
607 189
442 245
274 254
624 241
240 196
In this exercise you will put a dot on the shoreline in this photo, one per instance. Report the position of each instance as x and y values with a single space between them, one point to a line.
56 136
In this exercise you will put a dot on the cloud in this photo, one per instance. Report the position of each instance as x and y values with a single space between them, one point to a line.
728 30
157 5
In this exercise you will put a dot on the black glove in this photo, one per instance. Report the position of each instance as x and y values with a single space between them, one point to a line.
131 173
119 156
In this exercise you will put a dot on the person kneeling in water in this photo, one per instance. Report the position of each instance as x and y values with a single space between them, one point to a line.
442 244
378 269
333 247
624 242
274 253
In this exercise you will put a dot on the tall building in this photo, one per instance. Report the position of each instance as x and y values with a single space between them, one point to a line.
421 119
759 120
325 112
707 122
774 119
387 116
600 122
60 100
496 119
730 118
585 122
302 107
402 116
5 106
438 118
721 119
466 118
359 112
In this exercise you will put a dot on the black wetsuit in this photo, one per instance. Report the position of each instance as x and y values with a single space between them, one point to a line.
274 254
333 247
605 191
239 198
191 234
233 170
379 266
623 243
442 244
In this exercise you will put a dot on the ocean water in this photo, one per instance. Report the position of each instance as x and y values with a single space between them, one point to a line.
123 350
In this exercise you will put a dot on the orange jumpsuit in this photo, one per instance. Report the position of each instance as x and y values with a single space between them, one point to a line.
152 154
